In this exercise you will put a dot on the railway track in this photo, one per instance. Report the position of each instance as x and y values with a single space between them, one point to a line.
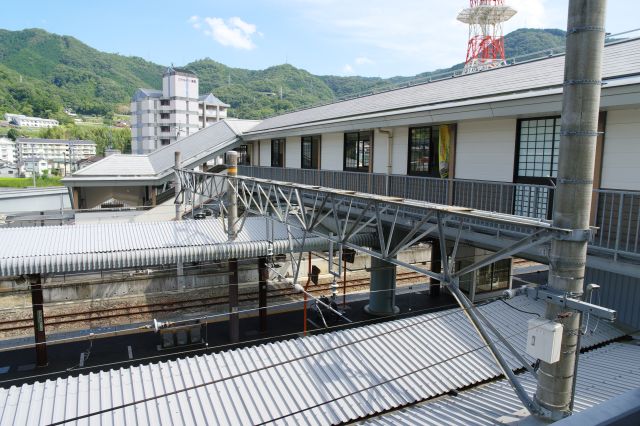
155 308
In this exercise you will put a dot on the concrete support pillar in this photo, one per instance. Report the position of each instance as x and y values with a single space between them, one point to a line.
263 276
382 296
436 266
572 203
180 275
76 198
37 300
234 320
152 196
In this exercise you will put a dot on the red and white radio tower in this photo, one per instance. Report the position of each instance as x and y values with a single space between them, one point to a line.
486 40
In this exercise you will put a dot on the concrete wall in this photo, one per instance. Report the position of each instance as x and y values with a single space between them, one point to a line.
332 151
92 197
486 150
621 159
34 200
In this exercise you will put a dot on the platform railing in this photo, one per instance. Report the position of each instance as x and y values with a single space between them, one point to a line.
616 213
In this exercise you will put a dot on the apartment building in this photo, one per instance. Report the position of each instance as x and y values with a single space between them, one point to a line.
31 165
61 155
162 117
33 122
8 150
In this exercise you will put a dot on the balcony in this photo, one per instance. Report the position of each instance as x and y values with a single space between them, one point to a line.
616 214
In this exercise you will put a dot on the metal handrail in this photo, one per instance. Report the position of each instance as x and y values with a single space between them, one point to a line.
616 213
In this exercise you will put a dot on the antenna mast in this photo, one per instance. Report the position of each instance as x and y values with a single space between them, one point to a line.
485 49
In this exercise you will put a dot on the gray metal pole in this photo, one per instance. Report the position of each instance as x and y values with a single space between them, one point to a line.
232 196
234 319
263 276
179 205
37 303
572 204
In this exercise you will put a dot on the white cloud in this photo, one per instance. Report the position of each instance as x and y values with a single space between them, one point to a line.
195 22
348 69
234 32
419 36
363 60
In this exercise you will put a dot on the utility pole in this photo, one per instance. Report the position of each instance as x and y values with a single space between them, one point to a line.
572 203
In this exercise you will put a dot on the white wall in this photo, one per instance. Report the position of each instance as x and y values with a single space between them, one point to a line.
331 151
485 150
265 152
621 158
400 150
380 152
293 152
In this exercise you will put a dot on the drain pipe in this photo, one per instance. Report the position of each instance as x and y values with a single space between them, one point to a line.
389 133
178 185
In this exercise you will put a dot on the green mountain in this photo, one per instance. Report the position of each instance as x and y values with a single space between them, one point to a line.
43 73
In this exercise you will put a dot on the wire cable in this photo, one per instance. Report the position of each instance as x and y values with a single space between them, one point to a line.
227 345
518 309
299 358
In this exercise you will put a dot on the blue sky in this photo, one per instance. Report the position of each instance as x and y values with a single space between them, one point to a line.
340 37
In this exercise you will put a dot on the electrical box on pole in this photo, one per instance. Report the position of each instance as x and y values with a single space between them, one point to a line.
544 338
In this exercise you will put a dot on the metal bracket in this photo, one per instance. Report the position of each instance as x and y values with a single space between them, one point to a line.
563 299
580 234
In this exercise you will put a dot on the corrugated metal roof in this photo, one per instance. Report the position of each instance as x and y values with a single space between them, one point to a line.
619 59
602 374
57 249
202 145
338 363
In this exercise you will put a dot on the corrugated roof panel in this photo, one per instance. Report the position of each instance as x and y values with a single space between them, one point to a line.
56 249
371 355
619 59
602 374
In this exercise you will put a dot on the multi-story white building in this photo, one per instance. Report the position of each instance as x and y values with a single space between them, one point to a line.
8 150
161 117
8 169
25 121
59 154
31 164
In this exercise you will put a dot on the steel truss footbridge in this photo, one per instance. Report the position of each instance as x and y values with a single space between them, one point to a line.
397 224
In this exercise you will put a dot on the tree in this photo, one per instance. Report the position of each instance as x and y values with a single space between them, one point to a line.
13 134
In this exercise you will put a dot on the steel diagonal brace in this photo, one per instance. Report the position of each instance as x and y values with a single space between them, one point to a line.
527 242
357 221
409 239
443 247
390 237
372 219
473 315
454 253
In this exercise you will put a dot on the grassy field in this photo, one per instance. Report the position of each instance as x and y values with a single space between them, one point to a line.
28 182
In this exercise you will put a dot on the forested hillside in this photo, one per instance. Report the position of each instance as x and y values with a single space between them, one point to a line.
43 73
